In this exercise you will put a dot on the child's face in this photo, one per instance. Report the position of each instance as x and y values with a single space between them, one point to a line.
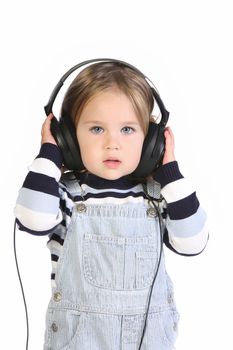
110 135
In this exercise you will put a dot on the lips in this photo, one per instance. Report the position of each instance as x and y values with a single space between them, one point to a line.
112 163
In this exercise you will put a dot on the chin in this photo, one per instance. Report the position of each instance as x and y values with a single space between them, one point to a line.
111 175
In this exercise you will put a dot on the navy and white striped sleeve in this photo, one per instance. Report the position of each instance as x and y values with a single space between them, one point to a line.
186 223
37 207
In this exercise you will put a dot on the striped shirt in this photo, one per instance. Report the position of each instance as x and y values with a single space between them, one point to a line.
44 205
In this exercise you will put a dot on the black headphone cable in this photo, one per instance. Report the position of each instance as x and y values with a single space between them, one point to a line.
151 200
21 286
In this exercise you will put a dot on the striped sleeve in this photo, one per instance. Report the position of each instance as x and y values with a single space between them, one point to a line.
37 207
186 222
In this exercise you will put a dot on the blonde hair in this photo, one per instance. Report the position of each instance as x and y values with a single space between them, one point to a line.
101 76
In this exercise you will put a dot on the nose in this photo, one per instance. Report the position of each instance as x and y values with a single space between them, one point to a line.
112 142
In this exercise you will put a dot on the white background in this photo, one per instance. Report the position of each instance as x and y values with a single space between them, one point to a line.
185 48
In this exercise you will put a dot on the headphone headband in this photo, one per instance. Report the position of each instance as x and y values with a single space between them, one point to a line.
49 106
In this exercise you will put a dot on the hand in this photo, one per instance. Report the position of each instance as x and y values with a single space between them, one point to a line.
46 135
169 155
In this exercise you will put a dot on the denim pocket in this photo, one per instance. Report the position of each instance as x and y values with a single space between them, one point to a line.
118 263
63 328
163 329
145 268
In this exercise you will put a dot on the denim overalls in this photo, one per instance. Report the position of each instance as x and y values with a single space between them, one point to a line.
103 279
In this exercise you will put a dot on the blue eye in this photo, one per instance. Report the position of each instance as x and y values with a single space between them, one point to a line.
127 130
96 130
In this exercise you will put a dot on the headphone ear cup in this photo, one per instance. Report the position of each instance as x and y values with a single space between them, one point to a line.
65 136
152 151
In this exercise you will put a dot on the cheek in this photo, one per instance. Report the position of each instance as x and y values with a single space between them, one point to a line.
86 151
83 147
136 150
140 146
89 154
139 152
139 143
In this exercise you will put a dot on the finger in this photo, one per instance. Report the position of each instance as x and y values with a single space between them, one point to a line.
46 135
169 136
50 116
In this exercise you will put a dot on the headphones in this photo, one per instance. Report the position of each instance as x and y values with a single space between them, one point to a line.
65 134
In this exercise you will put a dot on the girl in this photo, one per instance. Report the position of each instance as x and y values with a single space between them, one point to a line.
110 288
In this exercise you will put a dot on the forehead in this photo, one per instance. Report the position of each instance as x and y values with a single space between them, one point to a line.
110 104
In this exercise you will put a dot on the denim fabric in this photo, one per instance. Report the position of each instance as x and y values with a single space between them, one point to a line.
103 279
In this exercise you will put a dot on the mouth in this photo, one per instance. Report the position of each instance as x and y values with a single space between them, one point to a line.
112 163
